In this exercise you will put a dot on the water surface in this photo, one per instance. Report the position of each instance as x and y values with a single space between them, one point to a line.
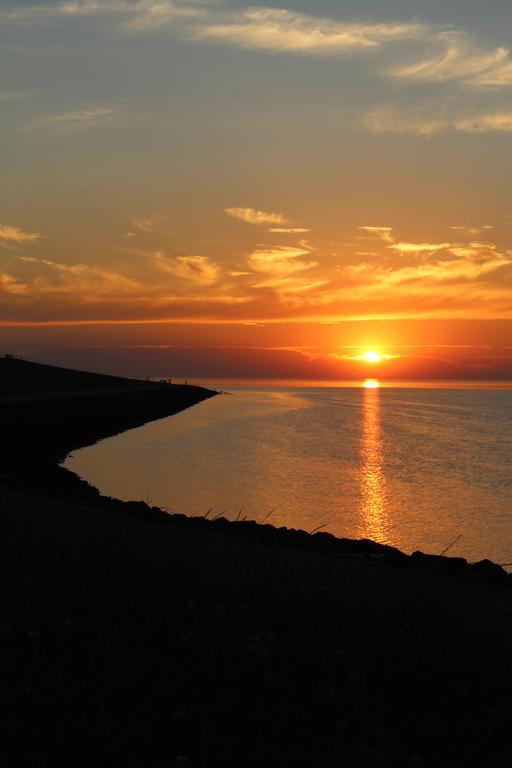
414 468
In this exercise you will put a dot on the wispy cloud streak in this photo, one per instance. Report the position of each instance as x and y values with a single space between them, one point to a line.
289 230
72 121
253 216
197 269
383 233
459 58
10 235
282 31
138 14
424 121
450 54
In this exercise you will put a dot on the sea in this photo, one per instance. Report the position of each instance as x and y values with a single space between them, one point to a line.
418 467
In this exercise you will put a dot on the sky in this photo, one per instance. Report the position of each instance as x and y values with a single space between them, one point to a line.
219 188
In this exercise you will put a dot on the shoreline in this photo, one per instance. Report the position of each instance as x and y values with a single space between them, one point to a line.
42 431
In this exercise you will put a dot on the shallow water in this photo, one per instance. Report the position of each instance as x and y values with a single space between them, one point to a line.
414 468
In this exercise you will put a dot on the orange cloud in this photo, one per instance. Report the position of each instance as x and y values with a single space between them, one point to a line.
406 248
280 259
383 233
253 216
293 283
289 230
51 277
10 235
197 269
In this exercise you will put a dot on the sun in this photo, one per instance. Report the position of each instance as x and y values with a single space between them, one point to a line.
371 357
371 384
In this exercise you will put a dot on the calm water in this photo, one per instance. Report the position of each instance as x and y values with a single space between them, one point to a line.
410 467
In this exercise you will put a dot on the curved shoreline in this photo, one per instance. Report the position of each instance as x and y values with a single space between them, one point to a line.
41 432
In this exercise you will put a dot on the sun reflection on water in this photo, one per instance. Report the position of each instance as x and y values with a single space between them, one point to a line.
374 518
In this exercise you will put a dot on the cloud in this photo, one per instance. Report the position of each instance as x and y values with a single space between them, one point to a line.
14 236
252 216
284 268
33 13
52 277
424 121
459 59
147 224
383 233
472 230
451 54
280 259
465 280
469 265
153 15
73 121
11 95
393 120
39 290
442 265
285 31
408 248
197 269
11 285
289 230
497 122
286 285
138 15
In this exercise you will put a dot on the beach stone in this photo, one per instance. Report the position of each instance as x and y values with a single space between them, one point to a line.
324 540
489 571
439 563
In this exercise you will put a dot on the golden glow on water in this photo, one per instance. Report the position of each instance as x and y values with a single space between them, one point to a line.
373 482
359 461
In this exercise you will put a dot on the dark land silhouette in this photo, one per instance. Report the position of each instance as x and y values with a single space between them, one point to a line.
133 638
21 377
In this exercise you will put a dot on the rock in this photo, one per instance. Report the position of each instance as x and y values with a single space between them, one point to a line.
489 571
439 563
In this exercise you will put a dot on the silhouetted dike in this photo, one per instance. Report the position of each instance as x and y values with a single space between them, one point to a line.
41 432
132 638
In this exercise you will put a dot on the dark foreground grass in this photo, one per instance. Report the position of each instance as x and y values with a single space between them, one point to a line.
138 644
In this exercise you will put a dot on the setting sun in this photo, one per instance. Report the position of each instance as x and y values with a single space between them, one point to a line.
371 384
371 357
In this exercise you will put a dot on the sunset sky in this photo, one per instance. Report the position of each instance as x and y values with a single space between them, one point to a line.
216 188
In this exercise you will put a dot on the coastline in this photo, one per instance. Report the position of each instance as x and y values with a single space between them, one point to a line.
41 430
131 637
